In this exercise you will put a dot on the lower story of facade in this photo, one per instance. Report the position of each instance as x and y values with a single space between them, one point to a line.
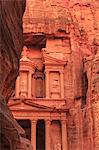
50 125
45 126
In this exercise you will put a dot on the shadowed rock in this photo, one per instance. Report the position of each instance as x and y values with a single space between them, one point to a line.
11 43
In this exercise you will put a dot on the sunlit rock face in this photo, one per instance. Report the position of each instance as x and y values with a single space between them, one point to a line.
50 16
86 14
45 16
58 85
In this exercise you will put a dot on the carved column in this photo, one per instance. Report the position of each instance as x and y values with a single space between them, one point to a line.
33 133
47 84
47 136
64 135
62 83
33 86
29 84
17 89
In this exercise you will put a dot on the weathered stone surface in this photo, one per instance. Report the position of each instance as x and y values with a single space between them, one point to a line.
11 43
45 16
62 40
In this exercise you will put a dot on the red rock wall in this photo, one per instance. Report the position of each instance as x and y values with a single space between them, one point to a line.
11 43
80 20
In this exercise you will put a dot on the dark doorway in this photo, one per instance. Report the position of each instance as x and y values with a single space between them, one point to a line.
40 135
26 125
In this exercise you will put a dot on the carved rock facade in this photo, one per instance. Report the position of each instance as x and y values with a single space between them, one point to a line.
56 98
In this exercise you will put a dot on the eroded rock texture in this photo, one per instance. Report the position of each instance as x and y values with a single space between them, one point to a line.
68 30
11 43
80 21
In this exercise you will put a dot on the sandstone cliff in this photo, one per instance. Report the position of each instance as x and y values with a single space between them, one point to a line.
80 21
11 43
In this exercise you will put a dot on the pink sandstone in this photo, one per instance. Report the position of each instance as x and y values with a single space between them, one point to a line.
56 98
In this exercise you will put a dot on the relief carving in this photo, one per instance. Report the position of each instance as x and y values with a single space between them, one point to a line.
23 84
55 85
57 146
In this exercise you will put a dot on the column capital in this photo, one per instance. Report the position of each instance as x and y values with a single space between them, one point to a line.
47 121
61 71
30 71
34 121
63 121
47 71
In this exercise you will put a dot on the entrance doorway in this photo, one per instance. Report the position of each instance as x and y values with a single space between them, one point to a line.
40 135
26 125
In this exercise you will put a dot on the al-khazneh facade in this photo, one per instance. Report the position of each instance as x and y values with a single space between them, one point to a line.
56 96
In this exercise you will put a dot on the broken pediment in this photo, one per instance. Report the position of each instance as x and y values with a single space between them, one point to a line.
54 59
27 105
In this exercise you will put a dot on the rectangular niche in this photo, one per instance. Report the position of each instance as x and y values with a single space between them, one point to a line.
54 84
23 83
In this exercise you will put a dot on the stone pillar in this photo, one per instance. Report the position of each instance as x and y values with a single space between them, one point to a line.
33 86
33 133
64 135
47 135
47 84
62 83
17 88
29 84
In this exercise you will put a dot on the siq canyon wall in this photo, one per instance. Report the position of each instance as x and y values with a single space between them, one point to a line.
79 20
12 136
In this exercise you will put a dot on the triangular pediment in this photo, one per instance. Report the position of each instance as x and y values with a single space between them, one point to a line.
26 105
48 59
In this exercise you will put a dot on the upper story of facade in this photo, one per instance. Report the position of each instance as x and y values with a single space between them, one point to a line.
41 73
55 46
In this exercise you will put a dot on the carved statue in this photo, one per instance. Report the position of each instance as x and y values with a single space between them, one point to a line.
57 146
55 82
24 52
